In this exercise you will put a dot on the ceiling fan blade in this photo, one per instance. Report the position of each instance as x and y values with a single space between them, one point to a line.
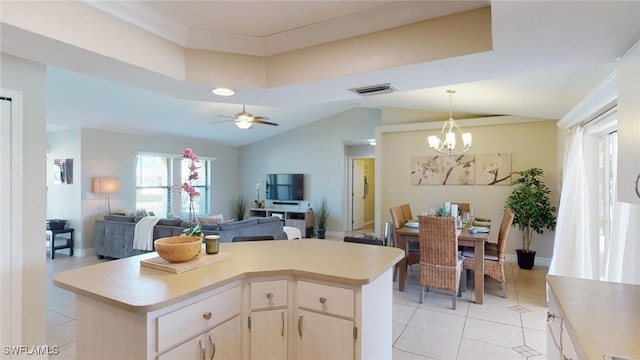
230 119
263 120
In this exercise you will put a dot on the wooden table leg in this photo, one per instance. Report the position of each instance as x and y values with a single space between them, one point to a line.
478 251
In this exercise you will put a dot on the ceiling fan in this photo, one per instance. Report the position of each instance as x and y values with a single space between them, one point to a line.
245 120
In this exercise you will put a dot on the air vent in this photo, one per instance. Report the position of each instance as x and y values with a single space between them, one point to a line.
374 90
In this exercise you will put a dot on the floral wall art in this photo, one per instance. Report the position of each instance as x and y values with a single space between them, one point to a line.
465 169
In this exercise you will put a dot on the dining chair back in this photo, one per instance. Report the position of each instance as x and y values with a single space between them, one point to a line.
397 216
463 208
412 251
406 210
440 262
494 255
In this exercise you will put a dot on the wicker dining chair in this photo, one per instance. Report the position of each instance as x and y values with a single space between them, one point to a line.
493 253
440 262
406 210
398 218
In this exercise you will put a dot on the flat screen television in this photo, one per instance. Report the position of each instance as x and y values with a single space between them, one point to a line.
285 187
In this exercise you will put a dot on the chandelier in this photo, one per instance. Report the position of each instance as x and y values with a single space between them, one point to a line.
446 143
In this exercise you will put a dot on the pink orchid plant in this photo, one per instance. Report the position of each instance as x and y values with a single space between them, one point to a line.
194 165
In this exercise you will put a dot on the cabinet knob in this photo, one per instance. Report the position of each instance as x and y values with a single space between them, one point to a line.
550 316
207 315
269 295
638 188
322 300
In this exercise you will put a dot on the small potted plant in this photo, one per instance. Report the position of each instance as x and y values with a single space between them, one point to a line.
239 206
530 203
322 216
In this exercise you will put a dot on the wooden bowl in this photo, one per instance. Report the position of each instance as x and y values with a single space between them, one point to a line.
178 248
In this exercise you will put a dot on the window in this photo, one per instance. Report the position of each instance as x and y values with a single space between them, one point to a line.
607 163
153 192
200 203
158 181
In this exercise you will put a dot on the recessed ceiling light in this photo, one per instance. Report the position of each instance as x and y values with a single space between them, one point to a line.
223 92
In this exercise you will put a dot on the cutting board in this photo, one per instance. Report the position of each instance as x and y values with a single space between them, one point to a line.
200 260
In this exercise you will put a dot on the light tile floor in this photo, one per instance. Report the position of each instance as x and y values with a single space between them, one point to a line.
513 328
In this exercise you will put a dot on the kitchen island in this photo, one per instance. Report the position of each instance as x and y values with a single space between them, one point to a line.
289 299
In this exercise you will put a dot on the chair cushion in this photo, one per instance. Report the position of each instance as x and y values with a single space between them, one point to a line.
489 254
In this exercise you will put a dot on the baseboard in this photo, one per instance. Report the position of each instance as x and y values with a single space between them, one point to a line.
540 261
84 252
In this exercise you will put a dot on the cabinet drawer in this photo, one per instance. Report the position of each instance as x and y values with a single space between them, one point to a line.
266 294
326 298
189 321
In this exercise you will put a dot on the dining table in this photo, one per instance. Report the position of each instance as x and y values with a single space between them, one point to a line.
465 238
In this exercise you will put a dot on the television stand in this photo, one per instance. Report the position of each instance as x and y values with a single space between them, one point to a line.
300 219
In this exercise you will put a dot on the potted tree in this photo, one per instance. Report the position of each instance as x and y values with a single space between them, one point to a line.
322 216
530 203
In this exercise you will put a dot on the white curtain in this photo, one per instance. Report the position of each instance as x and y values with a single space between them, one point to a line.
622 254
572 248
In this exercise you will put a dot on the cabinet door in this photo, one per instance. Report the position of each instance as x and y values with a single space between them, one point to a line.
192 349
324 336
225 340
269 334
568 350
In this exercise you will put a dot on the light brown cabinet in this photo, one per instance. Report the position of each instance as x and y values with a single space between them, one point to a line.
220 343
268 319
559 345
326 321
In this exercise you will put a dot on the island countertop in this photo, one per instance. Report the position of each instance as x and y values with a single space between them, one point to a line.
126 284
604 317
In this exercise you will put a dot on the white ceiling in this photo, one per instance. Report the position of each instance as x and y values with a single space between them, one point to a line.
546 57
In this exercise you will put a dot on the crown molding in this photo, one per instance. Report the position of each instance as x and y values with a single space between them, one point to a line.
136 14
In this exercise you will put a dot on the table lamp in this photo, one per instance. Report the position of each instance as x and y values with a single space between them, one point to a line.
106 186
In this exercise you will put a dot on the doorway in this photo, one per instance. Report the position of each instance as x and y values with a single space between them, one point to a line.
362 197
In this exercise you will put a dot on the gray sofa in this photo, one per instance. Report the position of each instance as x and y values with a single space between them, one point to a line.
114 234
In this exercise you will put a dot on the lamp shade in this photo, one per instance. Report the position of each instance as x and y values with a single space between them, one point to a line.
105 185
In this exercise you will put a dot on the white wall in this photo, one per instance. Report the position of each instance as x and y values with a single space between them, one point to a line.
318 151
531 145
30 78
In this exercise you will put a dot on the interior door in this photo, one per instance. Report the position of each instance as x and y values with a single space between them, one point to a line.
359 191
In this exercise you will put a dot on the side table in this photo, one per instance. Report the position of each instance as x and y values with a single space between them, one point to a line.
67 244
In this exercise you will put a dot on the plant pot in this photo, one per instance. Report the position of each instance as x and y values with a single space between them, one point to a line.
321 233
526 259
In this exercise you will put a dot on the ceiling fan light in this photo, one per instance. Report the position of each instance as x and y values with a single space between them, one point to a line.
223 92
244 117
243 124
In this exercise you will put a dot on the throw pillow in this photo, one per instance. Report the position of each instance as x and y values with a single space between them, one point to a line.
141 212
215 219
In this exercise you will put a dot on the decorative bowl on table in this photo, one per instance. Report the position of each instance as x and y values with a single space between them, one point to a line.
178 248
